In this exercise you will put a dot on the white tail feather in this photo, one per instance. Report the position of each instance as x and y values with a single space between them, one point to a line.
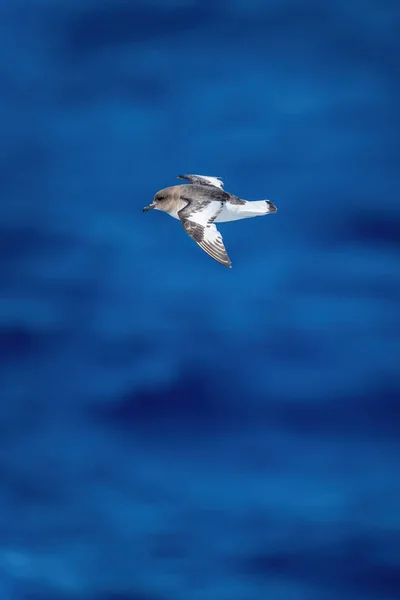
254 208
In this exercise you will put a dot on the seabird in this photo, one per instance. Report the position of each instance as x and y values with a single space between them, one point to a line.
203 202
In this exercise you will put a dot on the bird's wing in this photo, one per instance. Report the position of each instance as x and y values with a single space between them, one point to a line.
203 180
198 221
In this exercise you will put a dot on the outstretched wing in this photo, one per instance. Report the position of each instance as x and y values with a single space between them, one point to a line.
198 222
203 180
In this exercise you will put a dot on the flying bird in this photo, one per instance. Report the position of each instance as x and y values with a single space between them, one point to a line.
203 202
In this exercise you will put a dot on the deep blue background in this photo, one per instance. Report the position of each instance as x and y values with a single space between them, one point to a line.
171 429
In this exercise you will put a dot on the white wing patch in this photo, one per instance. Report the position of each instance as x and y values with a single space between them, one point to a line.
204 180
203 213
199 224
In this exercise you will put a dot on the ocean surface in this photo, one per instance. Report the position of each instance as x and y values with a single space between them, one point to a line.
171 429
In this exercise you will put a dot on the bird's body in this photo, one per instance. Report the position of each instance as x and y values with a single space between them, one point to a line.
200 204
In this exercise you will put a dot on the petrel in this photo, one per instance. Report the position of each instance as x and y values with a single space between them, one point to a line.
203 202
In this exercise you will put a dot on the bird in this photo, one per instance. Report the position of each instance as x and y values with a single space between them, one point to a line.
203 202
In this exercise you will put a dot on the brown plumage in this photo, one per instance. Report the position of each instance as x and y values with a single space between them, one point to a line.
200 204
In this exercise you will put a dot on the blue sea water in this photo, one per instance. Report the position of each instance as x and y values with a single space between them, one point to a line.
171 429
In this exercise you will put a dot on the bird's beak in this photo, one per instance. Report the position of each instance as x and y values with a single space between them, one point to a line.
149 207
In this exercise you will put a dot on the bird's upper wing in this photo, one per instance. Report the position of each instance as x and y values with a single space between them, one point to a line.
198 221
203 180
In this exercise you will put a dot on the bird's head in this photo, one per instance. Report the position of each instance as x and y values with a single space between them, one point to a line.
159 201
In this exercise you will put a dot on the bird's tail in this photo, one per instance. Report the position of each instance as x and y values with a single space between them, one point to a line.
246 209
261 207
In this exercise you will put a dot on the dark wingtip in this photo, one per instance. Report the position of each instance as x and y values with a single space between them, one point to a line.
271 206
